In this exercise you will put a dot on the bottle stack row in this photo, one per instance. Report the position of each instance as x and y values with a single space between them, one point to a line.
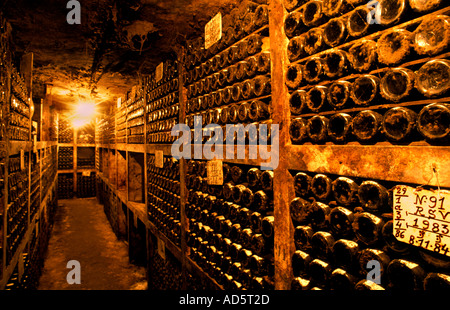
163 191
358 72
163 103
341 224
231 225
230 82
135 117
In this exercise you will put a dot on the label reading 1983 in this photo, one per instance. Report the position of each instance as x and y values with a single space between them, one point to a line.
422 218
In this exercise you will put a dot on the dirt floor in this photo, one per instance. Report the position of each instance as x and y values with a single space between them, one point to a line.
82 232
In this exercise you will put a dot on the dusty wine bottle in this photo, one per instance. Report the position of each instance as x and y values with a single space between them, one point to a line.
367 227
393 46
366 125
341 280
364 89
294 76
317 128
358 22
394 245
363 55
299 210
261 15
335 63
258 110
319 271
373 196
263 62
322 244
301 284
345 191
267 226
339 127
293 4
433 121
341 221
301 184
293 24
316 98
313 41
433 78
389 12
321 186
424 5
261 85
399 123
345 254
302 237
296 48
297 101
436 282
397 83
339 94
298 130
312 13
405 275
334 32
313 69
300 262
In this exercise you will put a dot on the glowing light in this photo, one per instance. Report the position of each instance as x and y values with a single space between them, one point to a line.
84 114
85 110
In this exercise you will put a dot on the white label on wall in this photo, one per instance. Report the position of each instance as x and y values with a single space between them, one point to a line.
159 159
214 171
422 218
213 30
161 249
159 72
86 173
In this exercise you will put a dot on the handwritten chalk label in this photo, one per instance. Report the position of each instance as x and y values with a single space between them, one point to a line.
214 172
213 30
161 249
159 159
422 218
159 72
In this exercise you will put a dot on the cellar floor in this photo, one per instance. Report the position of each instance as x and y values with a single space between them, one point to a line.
82 232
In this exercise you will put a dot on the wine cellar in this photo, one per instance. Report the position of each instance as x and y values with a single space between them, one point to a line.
282 145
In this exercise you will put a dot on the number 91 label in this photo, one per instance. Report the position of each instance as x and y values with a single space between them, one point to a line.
422 218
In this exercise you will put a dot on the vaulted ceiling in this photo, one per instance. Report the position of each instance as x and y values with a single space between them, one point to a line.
117 41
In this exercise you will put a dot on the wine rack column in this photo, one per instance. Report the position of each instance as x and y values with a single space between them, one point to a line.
283 245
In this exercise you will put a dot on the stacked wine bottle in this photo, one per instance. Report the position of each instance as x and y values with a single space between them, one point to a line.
19 111
35 198
231 226
341 224
164 197
65 131
230 82
135 117
65 157
121 122
65 185
17 211
162 110
362 72
86 185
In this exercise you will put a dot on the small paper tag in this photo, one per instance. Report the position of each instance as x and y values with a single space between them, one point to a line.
161 249
214 171
86 173
159 72
422 218
159 159
213 30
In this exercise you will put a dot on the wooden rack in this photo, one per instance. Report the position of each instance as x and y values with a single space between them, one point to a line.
403 164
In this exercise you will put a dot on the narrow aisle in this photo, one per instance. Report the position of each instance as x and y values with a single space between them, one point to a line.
82 232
